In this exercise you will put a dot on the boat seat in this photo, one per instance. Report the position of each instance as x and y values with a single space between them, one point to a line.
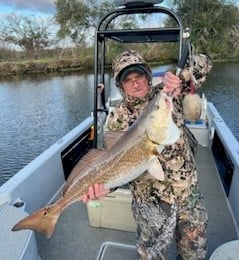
16 245
107 244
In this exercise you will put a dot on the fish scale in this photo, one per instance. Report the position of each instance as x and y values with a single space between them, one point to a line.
130 156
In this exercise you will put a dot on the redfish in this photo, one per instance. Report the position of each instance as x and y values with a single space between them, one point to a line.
134 153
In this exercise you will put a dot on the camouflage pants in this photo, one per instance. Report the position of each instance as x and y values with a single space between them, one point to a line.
158 223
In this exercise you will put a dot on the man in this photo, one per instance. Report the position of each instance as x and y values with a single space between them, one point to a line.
159 207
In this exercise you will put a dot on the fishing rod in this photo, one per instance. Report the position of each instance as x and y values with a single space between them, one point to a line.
183 59
181 63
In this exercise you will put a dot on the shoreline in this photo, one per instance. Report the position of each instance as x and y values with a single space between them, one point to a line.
31 67
36 67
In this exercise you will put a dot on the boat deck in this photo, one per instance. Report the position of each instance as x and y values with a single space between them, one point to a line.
75 239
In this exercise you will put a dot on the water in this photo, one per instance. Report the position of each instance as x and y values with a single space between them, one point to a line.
222 88
36 112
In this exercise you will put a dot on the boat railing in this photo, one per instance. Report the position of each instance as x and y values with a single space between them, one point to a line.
225 144
44 171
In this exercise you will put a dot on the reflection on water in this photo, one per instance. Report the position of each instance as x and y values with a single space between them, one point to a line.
222 88
36 112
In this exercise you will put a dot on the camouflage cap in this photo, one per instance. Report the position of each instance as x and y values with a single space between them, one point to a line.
129 58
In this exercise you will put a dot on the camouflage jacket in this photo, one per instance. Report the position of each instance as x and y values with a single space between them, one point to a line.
177 160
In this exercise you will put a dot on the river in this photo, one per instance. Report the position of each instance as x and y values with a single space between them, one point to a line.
37 111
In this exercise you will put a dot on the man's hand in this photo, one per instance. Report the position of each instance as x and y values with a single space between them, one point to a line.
172 84
97 191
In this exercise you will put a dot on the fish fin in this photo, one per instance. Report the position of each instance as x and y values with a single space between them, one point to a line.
159 149
111 137
81 165
173 133
155 169
43 221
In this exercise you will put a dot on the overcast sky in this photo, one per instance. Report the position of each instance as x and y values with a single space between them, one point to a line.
25 7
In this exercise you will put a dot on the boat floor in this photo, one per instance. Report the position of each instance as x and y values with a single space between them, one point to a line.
75 239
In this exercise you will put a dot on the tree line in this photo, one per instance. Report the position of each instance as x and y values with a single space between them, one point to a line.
214 27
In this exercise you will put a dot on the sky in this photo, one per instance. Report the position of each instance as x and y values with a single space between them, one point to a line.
42 9
27 7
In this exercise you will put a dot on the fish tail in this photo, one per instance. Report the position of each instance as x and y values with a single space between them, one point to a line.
44 221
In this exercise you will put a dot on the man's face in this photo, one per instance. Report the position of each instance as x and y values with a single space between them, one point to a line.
135 85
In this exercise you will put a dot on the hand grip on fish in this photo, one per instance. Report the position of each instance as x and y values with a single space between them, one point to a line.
172 82
96 191
134 153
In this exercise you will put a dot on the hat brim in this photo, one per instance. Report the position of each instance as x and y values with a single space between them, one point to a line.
131 69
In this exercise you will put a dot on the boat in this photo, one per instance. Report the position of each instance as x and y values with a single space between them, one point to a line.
41 181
